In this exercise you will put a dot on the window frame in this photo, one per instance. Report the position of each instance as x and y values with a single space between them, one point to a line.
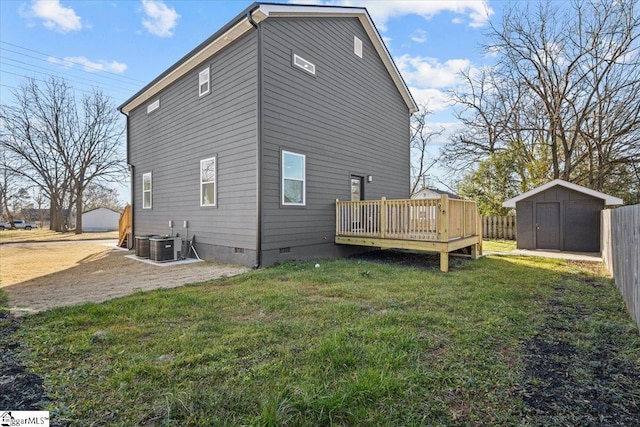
201 82
150 190
214 182
283 177
310 70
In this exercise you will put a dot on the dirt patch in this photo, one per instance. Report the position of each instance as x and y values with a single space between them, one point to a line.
42 276
566 385
19 389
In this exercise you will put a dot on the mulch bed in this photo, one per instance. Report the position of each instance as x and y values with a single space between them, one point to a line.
568 386
19 390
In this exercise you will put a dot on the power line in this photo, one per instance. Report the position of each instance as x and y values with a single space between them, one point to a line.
52 64
124 91
38 80
74 62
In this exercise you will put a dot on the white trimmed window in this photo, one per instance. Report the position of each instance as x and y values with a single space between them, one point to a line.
153 106
203 82
300 62
146 190
357 46
293 179
208 182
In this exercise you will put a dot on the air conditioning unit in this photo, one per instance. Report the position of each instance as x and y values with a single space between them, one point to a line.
165 248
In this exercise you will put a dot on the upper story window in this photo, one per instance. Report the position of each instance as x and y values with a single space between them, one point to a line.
146 190
208 182
300 62
293 179
357 46
203 82
153 106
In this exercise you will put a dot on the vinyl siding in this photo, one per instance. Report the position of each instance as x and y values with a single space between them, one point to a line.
171 141
347 119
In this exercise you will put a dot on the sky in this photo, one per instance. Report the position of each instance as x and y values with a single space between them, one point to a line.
120 46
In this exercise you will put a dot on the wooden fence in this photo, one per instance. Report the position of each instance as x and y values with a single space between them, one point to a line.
499 227
621 253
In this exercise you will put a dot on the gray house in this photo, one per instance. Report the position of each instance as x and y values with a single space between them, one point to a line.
560 215
248 140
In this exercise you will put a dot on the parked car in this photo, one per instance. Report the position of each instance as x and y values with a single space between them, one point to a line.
19 223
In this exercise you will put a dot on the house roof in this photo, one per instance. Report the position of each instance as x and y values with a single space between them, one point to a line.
244 23
608 200
436 190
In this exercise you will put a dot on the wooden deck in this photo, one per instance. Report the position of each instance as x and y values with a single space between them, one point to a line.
436 225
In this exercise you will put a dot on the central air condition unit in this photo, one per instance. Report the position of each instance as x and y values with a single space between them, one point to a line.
142 245
165 248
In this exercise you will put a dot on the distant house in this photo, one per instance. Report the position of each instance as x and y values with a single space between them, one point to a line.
560 215
100 219
433 193
248 140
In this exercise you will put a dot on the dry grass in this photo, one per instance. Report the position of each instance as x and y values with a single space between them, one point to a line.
41 276
43 235
23 263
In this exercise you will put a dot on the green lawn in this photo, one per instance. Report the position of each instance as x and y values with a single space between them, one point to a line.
498 245
348 343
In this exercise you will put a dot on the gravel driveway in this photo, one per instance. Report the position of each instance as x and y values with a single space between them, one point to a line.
40 276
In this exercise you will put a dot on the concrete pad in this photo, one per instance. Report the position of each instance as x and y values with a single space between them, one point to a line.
574 256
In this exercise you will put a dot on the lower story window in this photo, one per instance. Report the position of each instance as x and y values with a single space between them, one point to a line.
293 179
208 182
146 190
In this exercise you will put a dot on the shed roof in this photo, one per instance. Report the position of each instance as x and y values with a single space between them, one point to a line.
245 21
608 200
101 208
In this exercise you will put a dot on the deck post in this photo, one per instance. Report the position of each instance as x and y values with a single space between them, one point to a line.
383 217
443 224
338 225
444 261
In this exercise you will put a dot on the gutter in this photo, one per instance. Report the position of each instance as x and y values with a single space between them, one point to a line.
132 177
258 263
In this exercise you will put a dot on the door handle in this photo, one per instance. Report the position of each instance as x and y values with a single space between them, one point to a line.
537 226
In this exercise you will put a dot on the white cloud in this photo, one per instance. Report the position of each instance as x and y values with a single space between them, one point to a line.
428 72
419 36
160 20
435 99
88 65
475 12
54 16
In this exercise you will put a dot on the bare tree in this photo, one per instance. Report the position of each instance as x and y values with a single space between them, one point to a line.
98 196
64 145
565 88
422 160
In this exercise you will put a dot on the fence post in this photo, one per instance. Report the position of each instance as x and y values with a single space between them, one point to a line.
444 218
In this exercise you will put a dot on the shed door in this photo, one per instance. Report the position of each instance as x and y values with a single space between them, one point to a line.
548 226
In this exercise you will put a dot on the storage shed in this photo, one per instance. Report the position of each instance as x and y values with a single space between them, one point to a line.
561 216
100 219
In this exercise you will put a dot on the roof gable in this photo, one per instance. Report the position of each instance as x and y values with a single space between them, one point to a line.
245 22
608 200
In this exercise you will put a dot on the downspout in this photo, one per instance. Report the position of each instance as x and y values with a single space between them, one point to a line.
258 150
132 177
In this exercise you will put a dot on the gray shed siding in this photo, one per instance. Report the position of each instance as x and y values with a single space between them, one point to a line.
171 141
578 217
348 119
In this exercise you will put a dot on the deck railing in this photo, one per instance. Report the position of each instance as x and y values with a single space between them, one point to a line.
440 220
